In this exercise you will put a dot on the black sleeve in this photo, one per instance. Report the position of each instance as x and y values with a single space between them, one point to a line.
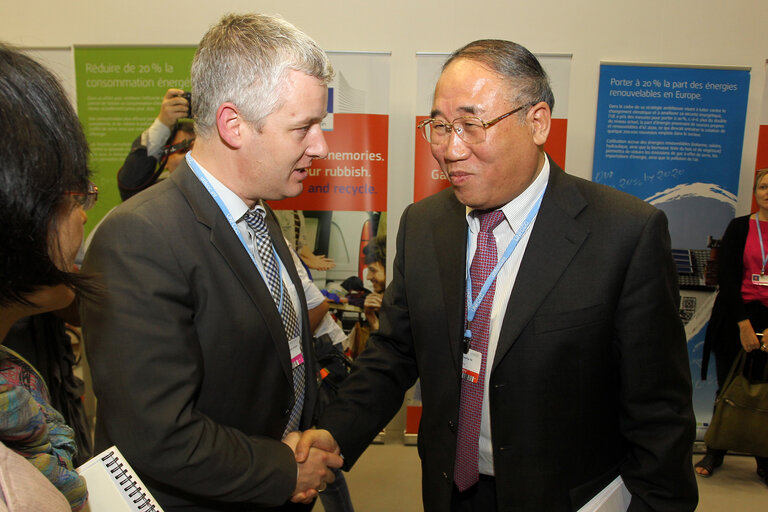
138 172
730 266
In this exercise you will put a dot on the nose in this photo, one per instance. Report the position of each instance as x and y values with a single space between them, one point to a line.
456 149
318 147
83 215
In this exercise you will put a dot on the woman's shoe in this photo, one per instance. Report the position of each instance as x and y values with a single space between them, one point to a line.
709 464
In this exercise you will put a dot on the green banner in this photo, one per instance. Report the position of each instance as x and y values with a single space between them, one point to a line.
119 92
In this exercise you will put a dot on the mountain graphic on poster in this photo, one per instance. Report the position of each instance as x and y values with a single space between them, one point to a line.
695 212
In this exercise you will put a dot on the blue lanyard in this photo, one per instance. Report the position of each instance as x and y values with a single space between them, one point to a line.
474 305
762 249
212 191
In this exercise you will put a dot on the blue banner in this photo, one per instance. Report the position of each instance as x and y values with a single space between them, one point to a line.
673 136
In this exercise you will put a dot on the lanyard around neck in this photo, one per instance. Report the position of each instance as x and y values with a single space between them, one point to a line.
474 305
762 249
223 207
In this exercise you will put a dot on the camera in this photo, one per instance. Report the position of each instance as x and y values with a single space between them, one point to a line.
188 96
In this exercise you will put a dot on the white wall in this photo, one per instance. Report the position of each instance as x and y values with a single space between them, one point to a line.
699 32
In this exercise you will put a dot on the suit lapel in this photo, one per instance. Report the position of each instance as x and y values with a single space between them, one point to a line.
555 239
451 254
228 245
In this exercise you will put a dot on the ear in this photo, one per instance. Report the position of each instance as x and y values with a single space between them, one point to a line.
229 124
540 117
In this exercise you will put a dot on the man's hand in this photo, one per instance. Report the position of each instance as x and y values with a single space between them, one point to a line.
371 308
316 451
173 108
316 261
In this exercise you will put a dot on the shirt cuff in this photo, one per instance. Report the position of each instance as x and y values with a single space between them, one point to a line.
154 138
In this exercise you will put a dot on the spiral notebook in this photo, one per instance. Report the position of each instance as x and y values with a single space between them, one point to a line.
113 486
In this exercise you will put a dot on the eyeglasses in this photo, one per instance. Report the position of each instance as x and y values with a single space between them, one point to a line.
181 147
470 129
87 200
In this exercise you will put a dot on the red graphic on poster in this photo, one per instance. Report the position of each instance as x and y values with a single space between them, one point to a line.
761 160
354 176
429 179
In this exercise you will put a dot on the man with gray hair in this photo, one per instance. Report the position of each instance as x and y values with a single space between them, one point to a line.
539 311
201 349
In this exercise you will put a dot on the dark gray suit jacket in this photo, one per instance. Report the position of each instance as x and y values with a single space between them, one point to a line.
590 378
190 361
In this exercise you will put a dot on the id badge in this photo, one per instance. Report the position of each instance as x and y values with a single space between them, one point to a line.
470 367
760 279
297 358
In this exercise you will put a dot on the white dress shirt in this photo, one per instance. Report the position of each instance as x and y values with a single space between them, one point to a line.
515 213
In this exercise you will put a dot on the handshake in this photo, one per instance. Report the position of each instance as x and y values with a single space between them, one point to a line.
316 453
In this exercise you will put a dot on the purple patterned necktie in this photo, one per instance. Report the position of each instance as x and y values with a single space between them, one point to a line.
471 406
288 314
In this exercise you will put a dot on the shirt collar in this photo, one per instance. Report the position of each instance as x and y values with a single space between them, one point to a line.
236 206
516 210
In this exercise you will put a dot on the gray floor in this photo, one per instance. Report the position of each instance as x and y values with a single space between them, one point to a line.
387 479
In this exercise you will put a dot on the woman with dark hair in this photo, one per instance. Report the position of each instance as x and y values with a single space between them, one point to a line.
44 192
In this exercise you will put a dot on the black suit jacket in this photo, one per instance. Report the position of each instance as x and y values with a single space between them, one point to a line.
190 361
590 378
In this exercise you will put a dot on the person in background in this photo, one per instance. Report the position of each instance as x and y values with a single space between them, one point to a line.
376 272
160 148
540 312
44 192
335 497
294 229
201 350
156 153
739 318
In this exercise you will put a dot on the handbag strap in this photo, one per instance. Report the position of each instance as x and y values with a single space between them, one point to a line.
737 368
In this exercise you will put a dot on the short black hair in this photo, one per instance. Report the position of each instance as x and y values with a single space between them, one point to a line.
376 251
515 64
43 156
182 125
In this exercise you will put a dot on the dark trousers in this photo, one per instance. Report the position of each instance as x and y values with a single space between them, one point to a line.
481 497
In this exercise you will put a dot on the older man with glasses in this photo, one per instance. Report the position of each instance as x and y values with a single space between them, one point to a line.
540 312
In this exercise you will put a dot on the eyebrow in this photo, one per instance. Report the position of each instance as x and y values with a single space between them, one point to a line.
310 120
470 109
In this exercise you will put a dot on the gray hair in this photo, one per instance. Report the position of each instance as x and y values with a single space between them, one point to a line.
244 59
528 82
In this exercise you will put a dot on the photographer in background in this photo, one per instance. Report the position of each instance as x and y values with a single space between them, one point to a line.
161 146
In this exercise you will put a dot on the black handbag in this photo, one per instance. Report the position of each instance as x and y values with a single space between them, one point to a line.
740 421
334 366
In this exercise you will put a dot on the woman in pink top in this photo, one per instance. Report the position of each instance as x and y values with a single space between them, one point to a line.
740 314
